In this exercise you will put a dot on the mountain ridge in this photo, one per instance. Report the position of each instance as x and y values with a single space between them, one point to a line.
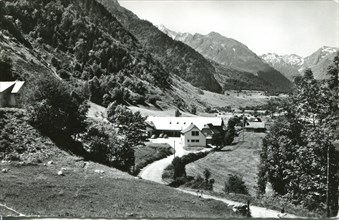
232 54
293 65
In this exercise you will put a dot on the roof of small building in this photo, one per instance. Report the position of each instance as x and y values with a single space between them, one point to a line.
255 124
181 123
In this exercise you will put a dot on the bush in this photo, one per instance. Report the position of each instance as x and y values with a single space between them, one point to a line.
191 157
168 172
153 99
235 184
179 168
180 181
200 183
137 99
52 109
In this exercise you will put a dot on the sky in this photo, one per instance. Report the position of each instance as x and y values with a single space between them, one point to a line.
275 26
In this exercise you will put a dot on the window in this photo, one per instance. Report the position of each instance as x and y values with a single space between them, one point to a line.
195 133
188 140
195 140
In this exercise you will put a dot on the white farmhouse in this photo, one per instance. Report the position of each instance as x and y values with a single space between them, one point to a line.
193 137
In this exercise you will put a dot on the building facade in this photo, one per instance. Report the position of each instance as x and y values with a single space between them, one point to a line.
193 137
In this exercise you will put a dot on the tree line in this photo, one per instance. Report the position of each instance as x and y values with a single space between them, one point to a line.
298 157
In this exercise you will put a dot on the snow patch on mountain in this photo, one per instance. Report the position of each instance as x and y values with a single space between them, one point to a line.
165 30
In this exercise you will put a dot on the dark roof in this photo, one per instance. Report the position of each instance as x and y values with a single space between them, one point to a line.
210 130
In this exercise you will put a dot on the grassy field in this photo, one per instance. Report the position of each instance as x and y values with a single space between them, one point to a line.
241 159
92 190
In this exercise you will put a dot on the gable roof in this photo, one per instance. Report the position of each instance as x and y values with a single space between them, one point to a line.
180 123
190 127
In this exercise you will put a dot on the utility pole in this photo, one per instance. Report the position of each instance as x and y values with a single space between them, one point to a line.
174 148
243 128
328 183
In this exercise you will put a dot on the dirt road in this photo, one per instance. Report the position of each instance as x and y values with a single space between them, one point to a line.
256 212
154 170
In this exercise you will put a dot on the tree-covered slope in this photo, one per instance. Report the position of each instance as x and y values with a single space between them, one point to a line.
83 44
177 57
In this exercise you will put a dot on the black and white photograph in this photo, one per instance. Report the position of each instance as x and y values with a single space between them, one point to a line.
169 109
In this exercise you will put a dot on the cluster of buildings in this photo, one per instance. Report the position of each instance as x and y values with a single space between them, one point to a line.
194 131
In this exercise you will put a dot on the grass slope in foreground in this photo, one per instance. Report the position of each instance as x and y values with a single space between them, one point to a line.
35 188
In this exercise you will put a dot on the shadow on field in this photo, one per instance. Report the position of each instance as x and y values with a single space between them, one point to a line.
71 146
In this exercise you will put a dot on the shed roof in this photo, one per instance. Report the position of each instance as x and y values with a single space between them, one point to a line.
255 124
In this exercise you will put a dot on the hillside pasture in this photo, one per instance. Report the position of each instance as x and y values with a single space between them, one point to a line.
241 159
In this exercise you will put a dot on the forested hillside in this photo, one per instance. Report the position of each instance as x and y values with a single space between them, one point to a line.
86 46
177 57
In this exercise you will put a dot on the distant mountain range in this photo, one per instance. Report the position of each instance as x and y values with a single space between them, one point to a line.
294 65
232 55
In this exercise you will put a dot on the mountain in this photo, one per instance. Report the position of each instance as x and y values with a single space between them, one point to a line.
319 61
176 57
288 65
171 34
293 65
232 55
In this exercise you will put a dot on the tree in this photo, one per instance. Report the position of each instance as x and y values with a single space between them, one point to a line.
131 125
193 109
105 146
179 168
235 184
177 113
230 132
123 155
207 175
97 142
52 109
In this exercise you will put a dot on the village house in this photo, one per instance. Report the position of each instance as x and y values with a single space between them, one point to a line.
193 137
